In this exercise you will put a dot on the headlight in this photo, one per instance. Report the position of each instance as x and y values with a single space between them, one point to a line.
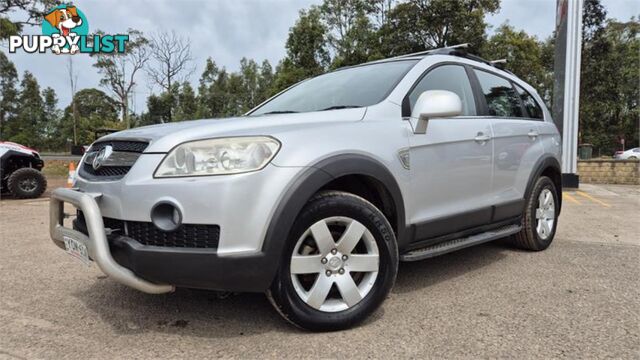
218 156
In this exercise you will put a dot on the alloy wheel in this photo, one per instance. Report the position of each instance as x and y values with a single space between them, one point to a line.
545 214
334 264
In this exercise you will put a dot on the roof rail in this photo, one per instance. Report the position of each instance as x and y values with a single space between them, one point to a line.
427 52
461 51
500 63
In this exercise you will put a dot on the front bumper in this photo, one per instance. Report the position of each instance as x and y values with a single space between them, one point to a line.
96 243
151 268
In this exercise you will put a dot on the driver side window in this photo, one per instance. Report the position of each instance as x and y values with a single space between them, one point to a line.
451 78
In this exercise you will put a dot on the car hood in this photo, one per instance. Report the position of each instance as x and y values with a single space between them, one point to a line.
164 137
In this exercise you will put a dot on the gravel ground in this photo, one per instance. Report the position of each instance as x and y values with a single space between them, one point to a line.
578 299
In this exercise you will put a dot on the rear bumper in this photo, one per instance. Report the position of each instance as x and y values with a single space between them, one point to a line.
152 268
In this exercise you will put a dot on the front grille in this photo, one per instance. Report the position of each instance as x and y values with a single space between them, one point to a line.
118 167
110 171
130 146
196 236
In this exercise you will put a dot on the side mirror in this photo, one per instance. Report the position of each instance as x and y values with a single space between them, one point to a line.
435 104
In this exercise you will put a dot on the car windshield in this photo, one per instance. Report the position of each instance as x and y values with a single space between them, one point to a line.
351 87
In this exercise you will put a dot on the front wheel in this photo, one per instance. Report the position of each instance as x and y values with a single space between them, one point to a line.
340 263
540 218
27 183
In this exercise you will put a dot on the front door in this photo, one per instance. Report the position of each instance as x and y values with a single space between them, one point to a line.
451 165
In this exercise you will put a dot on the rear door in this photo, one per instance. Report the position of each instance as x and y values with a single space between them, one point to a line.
517 146
451 164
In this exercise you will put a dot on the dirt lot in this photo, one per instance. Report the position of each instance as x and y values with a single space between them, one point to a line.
578 299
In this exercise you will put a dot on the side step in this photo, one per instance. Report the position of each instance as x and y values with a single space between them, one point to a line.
457 244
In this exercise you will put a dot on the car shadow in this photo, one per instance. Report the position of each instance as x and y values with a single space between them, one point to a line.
188 312
417 275
206 314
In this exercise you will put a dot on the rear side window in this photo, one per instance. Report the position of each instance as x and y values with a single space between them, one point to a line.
530 104
501 98
447 77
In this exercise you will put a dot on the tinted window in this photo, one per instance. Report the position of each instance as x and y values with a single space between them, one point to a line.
448 77
502 100
357 86
533 109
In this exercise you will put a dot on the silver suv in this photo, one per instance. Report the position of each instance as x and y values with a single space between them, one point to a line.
315 195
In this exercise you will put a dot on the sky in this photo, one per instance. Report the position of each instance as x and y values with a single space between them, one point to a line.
229 30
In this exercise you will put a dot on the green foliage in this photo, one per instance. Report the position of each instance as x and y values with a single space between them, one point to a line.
8 92
521 51
224 94
27 128
187 103
417 25
95 110
351 33
307 52
23 12
609 87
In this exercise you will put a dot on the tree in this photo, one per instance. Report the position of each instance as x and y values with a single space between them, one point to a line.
522 52
170 60
119 70
350 31
31 12
609 91
209 74
52 138
250 74
8 92
307 53
593 20
187 103
94 109
30 117
418 25
212 91
265 83
159 108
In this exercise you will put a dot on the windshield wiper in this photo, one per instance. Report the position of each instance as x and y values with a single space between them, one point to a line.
338 107
280 112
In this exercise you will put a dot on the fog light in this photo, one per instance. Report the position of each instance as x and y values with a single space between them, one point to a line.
166 216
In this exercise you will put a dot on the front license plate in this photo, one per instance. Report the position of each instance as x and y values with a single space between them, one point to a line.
77 249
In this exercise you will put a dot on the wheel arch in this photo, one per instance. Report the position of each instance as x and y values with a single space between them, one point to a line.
334 173
550 167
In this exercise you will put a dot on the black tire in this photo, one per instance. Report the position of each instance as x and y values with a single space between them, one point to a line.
528 238
27 183
328 204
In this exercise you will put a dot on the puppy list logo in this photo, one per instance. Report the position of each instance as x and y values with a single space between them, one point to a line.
65 30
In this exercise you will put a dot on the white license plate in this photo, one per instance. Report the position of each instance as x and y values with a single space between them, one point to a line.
77 249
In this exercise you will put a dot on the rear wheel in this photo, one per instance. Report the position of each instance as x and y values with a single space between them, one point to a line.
340 263
26 183
540 218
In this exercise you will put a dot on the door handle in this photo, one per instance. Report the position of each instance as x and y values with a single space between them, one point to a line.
533 134
482 138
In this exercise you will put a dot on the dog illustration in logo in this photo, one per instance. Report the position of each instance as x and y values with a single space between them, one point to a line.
65 20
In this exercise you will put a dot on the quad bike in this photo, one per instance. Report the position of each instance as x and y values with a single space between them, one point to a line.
20 171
